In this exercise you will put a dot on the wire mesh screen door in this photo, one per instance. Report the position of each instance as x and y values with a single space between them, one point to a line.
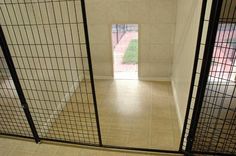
212 122
49 45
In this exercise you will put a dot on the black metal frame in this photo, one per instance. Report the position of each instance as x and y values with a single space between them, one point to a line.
91 69
202 84
16 81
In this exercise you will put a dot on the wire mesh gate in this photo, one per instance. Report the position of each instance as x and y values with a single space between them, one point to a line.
13 119
211 121
47 42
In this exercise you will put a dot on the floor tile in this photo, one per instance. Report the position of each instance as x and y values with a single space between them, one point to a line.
135 112
47 149
132 113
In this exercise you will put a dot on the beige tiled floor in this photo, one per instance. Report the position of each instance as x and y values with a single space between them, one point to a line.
137 114
12 147
132 113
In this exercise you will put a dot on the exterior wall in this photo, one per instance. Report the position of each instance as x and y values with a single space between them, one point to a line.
156 20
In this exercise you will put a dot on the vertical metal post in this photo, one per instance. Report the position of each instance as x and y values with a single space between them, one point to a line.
91 69
206 64
10 64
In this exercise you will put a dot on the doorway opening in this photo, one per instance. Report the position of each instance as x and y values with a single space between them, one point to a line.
125 51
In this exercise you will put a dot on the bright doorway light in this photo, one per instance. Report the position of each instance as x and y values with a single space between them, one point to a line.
125 51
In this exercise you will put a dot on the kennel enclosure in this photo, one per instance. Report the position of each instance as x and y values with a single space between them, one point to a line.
47 85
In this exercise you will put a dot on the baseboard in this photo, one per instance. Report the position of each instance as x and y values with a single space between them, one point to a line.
180 122
154 78
103 77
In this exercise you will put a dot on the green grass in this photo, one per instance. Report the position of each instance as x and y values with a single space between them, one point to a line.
131 53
